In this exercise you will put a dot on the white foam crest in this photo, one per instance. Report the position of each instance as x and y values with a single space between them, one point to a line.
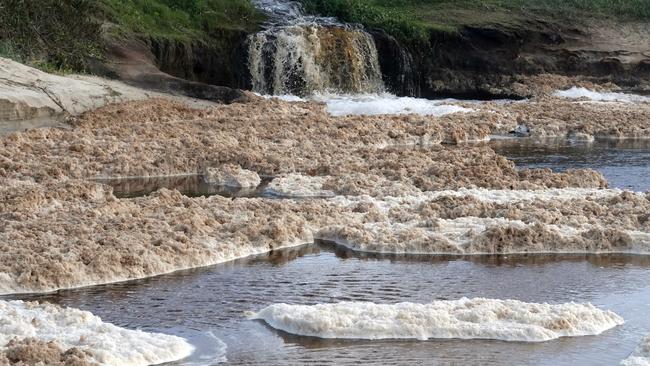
640 356
500 196
299 186
577 93
463 236
108 344
378 104
507 320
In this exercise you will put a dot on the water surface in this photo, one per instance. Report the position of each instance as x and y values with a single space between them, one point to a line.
206 303
625 164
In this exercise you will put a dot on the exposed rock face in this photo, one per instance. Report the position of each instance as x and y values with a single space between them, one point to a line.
221 62
232 176
27 93
133 62
484 61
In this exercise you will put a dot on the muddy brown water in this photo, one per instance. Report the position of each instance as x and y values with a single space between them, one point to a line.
207 305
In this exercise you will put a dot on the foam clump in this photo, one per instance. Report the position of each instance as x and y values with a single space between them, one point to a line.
378 104
231 175
479 318
299 185
578 93
46 333
641 356
499 222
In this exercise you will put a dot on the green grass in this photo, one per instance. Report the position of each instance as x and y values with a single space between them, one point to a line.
54 34
64 35
411 20
182 19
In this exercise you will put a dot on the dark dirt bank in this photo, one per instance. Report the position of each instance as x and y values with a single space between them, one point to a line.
485 61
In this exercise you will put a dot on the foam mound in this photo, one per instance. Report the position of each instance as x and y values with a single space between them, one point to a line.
507 320
577 93
378 104
30 326
641 356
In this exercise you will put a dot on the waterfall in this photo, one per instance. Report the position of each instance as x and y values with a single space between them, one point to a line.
302 55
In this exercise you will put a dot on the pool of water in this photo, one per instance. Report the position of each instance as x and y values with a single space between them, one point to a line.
208 305
189 185
625 164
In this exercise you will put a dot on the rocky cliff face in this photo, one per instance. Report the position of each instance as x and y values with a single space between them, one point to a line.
222 61
481 62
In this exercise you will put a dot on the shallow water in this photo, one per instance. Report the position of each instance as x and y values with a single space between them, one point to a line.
189 185
625 164
206 303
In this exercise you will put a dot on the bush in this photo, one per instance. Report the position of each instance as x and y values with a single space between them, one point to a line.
62 34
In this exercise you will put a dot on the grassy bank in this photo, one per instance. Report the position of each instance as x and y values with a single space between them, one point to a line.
181 19
60 35
410 20
50 34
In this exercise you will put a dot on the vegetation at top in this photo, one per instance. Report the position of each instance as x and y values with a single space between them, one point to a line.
63 30
181 19
411 20
65 35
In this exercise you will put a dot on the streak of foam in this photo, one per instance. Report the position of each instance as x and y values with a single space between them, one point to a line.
479 318
578 93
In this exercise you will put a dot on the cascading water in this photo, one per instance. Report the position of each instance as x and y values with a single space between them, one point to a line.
302 55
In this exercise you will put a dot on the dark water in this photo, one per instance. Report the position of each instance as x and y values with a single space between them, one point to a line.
206 303
625 164
189 185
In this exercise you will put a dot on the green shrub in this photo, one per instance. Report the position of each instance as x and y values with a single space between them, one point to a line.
182 19
61 33
410 20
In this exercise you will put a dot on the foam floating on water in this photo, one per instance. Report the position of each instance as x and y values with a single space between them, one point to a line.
641 356
576 93
377 104
103 343
380 104
507 320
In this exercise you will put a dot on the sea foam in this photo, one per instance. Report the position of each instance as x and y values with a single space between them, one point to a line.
507 320
106 343
576 93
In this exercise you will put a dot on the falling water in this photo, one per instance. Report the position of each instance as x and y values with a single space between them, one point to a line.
300 55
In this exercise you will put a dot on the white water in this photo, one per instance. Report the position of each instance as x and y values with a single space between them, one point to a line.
105 342
302 55
507 320
381 104
378 104
577 93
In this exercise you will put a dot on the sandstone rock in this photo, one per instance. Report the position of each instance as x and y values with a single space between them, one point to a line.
27 93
